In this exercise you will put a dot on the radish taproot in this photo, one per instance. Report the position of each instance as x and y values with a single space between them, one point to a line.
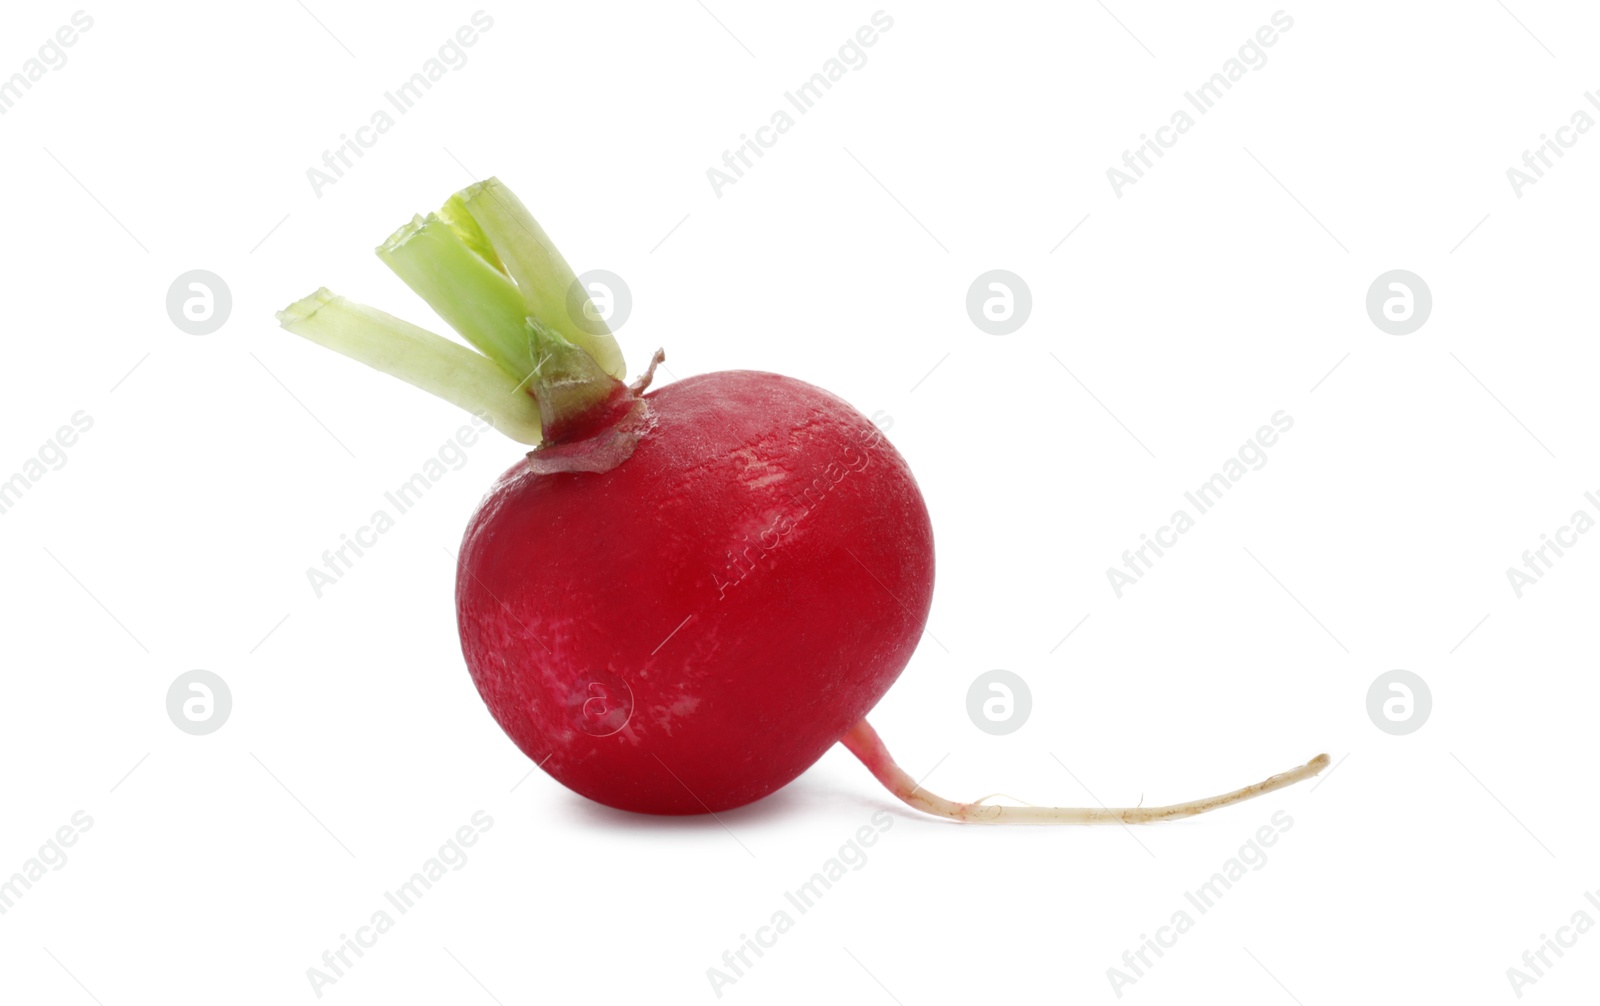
680 598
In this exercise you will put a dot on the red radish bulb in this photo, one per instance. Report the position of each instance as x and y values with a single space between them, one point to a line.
681 598
692 629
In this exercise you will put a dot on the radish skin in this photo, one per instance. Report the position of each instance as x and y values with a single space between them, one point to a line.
690 629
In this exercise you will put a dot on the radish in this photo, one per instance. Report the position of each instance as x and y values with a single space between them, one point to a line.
679 599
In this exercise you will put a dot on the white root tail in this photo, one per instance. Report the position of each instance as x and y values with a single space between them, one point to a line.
865 744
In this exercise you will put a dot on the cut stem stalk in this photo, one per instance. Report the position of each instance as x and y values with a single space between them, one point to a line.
465 290
417 356
548 287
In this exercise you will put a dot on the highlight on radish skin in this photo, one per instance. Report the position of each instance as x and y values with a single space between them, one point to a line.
680 598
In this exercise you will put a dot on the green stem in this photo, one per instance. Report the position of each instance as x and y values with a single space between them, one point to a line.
549 369
417 356
464 289
547 284
573 393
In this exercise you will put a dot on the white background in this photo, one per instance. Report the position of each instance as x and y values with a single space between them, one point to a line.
1227 284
